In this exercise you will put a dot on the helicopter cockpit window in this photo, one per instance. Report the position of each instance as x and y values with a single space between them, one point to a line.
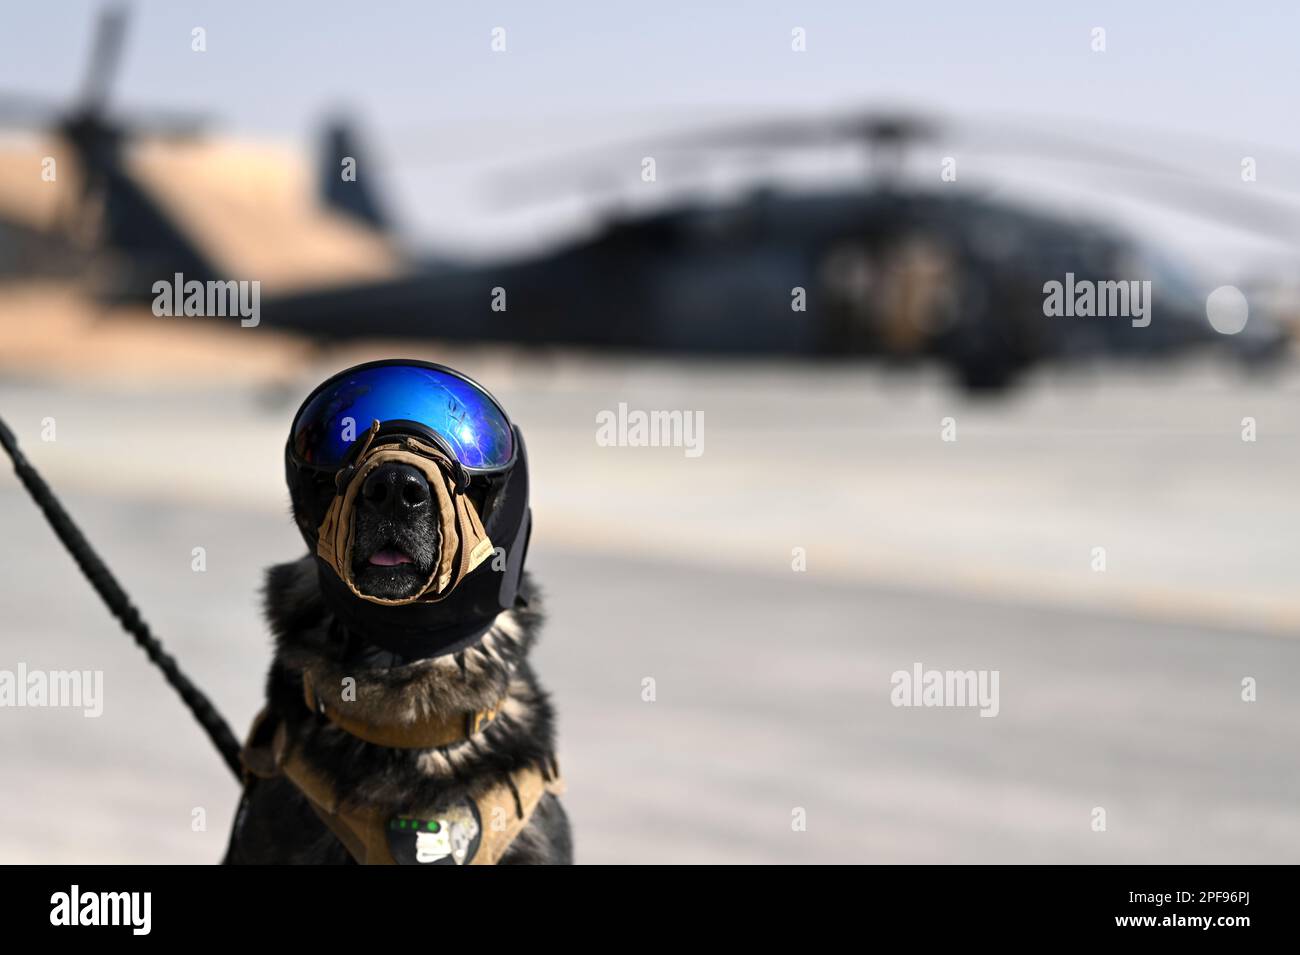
1173 281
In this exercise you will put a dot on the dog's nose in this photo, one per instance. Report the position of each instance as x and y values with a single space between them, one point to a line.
396 490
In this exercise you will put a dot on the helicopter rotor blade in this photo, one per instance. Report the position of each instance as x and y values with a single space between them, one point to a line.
19 111
161 124
105 55
1100 160
1273 215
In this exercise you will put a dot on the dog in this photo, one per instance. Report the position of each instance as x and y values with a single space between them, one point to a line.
395 543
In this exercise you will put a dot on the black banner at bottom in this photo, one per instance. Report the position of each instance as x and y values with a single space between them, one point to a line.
217 904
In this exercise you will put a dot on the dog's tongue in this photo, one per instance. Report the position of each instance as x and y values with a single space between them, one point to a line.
388 557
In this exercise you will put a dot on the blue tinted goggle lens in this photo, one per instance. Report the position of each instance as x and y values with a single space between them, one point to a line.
458 411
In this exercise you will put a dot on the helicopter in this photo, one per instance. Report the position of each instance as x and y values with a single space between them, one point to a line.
885 268
107 198
119 201
880 267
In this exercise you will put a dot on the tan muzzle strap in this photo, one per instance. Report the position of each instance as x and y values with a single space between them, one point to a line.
465 544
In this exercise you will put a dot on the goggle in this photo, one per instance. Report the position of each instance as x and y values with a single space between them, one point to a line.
417 397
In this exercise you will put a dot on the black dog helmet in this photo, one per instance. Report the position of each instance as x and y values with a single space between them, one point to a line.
438 406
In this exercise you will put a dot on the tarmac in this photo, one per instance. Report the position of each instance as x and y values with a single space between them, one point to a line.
826 537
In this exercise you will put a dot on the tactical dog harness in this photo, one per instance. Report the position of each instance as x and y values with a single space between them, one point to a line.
471 831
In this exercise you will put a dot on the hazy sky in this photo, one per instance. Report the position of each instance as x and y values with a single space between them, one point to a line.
431 90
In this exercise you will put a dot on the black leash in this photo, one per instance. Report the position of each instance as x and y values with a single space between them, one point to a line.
119 604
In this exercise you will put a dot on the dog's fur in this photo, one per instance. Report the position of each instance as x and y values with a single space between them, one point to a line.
275 823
